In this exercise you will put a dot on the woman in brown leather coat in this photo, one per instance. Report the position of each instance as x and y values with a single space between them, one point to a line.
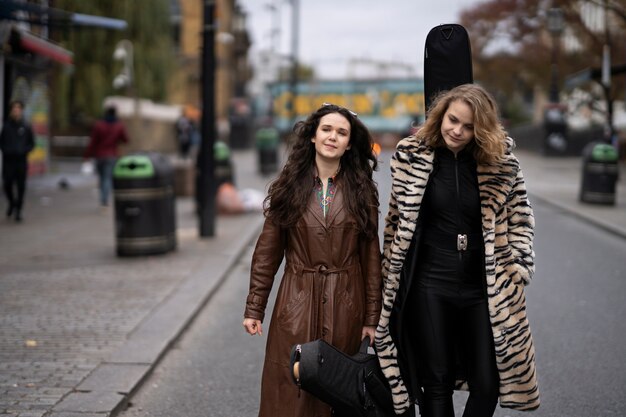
322 216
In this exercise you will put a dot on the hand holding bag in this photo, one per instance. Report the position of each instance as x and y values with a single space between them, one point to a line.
351 385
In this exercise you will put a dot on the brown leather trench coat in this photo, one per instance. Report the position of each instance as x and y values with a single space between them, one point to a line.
330 289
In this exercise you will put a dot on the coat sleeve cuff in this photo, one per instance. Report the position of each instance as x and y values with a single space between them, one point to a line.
255 307
373 314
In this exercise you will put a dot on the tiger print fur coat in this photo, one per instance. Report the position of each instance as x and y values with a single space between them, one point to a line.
508 231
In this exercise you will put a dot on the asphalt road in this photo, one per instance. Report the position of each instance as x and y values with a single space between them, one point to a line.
576 304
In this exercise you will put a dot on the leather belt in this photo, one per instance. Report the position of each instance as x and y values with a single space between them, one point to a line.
450 241
319 269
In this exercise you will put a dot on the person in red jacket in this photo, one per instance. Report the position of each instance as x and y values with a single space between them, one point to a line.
106 136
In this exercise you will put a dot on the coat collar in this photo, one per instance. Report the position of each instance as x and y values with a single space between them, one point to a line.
494 181
336 207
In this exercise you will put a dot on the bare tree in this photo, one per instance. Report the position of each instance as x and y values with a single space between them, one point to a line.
512 47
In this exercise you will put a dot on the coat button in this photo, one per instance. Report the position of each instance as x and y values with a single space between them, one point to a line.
324 300
497 291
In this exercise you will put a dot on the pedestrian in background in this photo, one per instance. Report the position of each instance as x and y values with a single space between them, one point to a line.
106 136
16 141
457 254
322 215
186 133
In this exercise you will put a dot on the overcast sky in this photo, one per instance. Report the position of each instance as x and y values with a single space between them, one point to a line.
334 31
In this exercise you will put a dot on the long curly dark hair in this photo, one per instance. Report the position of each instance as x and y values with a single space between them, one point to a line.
289 194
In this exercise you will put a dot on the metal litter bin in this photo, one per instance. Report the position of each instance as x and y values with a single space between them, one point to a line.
223 164
600 171
145 212
267 147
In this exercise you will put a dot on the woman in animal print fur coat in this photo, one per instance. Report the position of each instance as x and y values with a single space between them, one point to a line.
457 254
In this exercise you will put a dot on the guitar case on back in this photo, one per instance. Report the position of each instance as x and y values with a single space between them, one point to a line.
447 60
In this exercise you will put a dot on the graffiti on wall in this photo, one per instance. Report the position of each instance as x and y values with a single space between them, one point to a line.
383 105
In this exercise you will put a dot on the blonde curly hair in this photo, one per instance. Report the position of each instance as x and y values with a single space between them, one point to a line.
489 135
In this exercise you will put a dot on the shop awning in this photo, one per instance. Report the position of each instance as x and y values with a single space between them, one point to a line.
37 45
37 14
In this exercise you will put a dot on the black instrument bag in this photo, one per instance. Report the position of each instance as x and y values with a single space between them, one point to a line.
351 385
447 60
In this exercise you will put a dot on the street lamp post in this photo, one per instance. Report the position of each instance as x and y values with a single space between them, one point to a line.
555 27
205 176
293 79
606 79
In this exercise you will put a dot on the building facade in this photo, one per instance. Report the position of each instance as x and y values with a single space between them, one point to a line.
232 70
26 57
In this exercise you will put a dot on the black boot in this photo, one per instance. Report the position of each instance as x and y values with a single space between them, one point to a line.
10 209
18 215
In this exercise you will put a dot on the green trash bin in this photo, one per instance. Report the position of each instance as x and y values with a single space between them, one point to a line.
267 146
145 206
600 172
223 164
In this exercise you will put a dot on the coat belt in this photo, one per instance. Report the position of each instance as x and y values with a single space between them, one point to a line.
453 241
319 269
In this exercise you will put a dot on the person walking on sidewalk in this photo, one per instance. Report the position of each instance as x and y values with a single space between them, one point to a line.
16 141
106 136
185 133
322 215
457 254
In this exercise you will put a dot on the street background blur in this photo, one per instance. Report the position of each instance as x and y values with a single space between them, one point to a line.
276 60
88 331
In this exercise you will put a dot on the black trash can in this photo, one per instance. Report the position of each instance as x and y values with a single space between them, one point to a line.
600 171
224 171
145 212
267 147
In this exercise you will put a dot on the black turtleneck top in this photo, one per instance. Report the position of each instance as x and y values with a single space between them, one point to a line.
451 206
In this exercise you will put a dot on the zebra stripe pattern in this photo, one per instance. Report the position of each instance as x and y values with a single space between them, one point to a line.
508 231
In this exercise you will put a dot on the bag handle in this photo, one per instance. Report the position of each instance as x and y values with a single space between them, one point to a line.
364 345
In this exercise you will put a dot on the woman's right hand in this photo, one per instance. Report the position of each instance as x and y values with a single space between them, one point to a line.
253 326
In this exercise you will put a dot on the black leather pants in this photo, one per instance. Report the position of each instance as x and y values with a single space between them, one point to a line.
451 314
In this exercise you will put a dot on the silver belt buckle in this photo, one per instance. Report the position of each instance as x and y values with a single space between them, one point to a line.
461 242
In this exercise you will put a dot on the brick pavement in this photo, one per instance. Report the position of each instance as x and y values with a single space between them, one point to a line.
80 327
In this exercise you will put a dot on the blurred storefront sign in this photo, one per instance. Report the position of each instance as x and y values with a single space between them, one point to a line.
24 41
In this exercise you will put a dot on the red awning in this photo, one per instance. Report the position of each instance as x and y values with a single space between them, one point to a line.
41 46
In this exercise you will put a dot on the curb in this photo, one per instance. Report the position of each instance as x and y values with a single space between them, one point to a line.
107 390
594 221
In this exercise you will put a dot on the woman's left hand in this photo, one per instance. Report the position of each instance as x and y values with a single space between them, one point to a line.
369 331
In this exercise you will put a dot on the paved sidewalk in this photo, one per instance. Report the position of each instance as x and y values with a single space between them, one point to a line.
557 181
79 327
